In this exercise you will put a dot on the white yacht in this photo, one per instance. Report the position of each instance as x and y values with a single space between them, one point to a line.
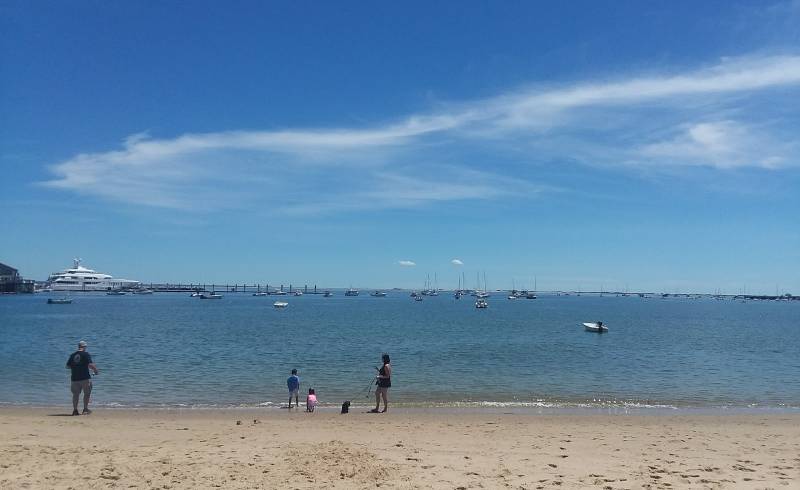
79 278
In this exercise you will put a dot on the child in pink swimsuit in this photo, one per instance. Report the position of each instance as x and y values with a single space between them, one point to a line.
311 401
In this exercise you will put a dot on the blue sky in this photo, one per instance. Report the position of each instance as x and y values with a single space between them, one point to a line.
650 146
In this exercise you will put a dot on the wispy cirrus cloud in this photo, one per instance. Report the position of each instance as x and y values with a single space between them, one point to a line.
722 144
407 263
456 262
713 116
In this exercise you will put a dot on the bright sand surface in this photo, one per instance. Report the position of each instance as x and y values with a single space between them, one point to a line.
270 448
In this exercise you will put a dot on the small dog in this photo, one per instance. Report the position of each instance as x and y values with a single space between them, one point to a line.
346 406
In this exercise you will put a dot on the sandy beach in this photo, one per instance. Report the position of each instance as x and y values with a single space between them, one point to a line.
251 448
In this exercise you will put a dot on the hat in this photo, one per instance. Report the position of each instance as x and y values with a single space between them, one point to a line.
82 343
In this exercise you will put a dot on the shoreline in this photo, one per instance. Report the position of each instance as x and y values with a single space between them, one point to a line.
487 408
251 448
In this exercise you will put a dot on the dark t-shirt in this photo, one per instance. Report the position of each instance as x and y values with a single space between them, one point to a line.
79 363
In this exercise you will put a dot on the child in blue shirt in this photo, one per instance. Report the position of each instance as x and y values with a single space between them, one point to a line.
293 383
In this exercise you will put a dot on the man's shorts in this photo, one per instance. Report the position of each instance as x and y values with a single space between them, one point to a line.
83 385
294 393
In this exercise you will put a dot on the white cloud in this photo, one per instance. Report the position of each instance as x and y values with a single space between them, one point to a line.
406 263
638 120
721 144
456 262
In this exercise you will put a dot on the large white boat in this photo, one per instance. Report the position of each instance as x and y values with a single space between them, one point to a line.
79 278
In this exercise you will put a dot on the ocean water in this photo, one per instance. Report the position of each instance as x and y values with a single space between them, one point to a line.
168 349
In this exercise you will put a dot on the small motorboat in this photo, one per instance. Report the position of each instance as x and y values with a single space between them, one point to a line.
481 304
417 298
261 293
378 294
211 296
143 291
115 293
280 304
298 293
351 292
327 294
596 327
512 296
59 301
196 294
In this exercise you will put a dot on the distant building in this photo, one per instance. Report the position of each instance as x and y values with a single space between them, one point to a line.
9 277
11 282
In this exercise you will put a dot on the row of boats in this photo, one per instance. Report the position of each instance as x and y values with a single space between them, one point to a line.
64 300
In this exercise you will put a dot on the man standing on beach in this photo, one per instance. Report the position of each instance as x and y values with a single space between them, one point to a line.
293 383
80 362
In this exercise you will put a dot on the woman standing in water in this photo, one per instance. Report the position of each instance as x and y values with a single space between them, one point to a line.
384 381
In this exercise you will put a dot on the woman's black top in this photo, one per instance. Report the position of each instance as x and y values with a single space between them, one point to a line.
384 382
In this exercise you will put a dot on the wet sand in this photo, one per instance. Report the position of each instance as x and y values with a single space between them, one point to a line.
271 448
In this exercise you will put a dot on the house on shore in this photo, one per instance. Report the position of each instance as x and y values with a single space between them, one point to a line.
12 282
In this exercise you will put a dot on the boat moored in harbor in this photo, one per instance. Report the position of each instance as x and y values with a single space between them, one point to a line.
280 304
59 301
596 327
79 278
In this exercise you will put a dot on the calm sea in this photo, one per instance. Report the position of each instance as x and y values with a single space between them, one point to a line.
168 349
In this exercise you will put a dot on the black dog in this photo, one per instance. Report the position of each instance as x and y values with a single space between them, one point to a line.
346 406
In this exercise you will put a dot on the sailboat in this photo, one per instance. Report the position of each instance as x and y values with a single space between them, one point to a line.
514 293
481 303
532 294
485 292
